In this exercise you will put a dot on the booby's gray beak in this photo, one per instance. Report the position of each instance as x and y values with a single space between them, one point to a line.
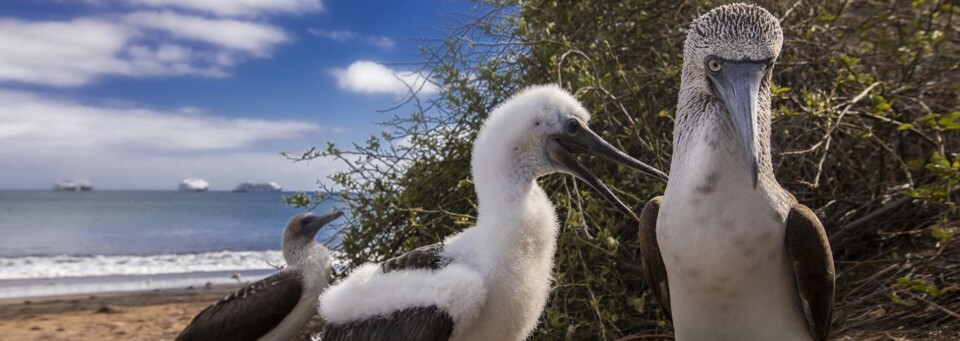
580 139
738 85
310 225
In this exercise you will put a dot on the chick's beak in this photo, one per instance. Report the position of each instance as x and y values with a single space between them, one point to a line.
562 147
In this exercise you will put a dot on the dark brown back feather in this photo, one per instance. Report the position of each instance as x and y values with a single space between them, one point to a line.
425 257
809 247
421 323
655 273
248 313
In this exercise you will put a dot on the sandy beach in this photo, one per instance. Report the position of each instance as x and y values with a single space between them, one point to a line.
149 315
162 314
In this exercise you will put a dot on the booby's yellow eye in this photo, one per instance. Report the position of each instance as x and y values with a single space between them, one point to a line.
713 65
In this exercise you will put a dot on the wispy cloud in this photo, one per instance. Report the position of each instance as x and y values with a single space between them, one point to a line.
252 37
44 124
335 35
238 7
61 53
347 35
65 138
142 43
370 77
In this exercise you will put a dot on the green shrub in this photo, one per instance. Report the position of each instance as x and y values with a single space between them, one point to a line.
866 132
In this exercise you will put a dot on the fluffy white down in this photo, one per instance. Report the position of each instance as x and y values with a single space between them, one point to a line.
498 280
369 292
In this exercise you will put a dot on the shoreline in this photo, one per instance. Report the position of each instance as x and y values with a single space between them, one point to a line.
149 296
37 289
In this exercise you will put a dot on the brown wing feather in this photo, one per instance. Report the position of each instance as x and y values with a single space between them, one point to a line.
654 271
425 257
809 247
248 313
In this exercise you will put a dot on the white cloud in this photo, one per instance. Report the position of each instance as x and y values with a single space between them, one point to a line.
61 53
335 35
238 7
370 77
252 37
47 124
347 35
146 43
381 42
46 138
172 60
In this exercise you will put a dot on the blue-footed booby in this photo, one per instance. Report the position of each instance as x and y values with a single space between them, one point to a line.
279 306
489 282
744 260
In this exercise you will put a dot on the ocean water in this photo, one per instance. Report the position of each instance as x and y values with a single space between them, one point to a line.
54 243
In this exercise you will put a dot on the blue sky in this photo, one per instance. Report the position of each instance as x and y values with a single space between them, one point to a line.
140 94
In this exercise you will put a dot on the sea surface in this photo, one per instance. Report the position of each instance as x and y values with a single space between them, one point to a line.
55 243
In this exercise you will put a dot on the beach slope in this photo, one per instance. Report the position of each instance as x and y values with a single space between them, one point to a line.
148 315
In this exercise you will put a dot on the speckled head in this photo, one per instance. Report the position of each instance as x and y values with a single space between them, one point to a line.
736 32
728 56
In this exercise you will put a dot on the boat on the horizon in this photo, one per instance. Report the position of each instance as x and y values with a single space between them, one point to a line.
193 185
258 187
75 185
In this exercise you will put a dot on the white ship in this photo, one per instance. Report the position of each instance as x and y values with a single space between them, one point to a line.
258 187
73 186
193 185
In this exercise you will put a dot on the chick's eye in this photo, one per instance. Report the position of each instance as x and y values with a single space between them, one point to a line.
572 127
713 65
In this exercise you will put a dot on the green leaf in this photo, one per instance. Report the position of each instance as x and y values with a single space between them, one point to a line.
949 119
903 281
915 164
904 126
925 288
880 104
928 119
939 233
896 299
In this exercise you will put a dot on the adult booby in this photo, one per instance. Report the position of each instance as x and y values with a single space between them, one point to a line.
279 306
744 260
489 282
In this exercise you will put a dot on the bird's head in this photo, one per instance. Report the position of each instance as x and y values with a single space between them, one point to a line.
537 132
728 56
301 231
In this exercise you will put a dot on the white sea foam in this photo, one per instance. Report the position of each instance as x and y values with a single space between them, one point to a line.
25 288
90 266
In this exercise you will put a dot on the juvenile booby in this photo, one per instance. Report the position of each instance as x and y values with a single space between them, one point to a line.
279 306
744 260
489 282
